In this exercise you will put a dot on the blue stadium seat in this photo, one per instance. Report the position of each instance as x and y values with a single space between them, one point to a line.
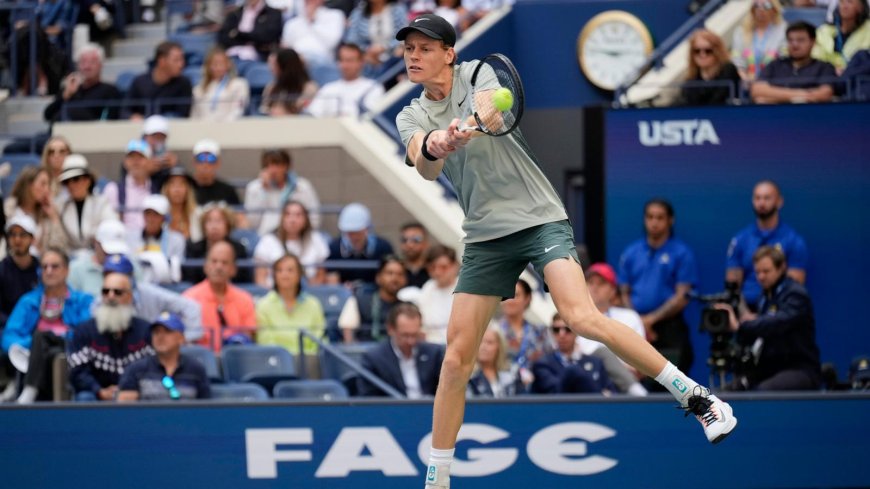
258 77
207 358
17 162
255 290
178 287
243 65
248 237
194 74
239 392
124 80
333 368
196 46
332 298
260 364
320 390
815 16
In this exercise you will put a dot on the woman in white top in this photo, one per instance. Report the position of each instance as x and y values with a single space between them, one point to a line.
221 96
759 40
56 149
184 214
31 195
295 236
436 296
493 376
81 210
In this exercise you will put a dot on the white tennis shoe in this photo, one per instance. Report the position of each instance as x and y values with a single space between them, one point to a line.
714 414
438 477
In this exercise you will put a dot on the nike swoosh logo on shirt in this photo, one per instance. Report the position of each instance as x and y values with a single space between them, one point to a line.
547 250
463 100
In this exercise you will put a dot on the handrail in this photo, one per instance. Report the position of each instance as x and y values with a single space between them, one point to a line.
656 58
347 361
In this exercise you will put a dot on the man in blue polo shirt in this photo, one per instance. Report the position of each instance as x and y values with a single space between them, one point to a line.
767 230
169 374
655 272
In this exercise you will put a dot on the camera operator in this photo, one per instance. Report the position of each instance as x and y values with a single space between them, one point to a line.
782 336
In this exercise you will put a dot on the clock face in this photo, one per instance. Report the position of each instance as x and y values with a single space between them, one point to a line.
611 47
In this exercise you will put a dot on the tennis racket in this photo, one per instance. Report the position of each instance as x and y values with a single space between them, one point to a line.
496 97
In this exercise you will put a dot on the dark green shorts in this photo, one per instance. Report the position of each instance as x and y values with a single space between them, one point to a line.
493 267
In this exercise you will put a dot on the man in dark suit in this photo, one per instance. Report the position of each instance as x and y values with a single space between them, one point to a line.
252 31
404 361
567 370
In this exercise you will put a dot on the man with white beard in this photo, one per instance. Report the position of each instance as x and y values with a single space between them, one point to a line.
104 346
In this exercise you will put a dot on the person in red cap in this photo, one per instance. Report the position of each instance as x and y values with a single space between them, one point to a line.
513 216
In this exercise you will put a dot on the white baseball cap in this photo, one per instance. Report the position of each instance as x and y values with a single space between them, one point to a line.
157 203
156 124
207 146
354 217
111 236
23 221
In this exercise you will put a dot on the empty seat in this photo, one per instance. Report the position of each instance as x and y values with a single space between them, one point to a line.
240 392
333 368
332 298
124 80
321 390
247 237
258 77
260 364
207 358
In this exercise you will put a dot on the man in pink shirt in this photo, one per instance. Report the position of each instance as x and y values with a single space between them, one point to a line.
226 309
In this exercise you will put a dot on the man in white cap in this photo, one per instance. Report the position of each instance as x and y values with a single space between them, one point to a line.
155 236
18 276
127 195
357 241
155 132
81 211
206 165
86 270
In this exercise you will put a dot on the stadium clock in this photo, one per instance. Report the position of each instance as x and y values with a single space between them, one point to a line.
611 47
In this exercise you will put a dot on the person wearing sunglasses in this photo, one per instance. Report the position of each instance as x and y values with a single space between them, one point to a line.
760 38
81 209
567 370
168 375
207 186
711 78
102 347
413 244
40 325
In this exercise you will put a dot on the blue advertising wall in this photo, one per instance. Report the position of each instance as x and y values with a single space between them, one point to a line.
801 442
818 154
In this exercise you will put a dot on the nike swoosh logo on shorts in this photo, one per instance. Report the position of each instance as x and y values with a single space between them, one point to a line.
547 250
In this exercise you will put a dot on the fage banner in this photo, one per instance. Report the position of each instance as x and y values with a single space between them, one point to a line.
549 444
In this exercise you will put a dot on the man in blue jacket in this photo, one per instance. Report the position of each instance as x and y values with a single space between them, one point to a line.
568 370
40 323
782 336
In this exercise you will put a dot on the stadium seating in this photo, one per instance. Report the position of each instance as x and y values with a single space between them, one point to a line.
333 368
248 237
239 392
258 77
124 80
16 162
332 298
194 74
207 358
260 364
319 390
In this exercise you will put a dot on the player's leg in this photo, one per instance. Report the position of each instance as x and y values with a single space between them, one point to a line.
568 288
469 318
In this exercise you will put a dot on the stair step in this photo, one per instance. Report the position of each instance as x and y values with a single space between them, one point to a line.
135 48
146 31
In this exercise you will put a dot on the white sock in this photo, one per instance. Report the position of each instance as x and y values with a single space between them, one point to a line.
677 383
9 393
441 457
28 395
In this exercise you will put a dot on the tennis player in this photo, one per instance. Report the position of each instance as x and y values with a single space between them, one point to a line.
513 216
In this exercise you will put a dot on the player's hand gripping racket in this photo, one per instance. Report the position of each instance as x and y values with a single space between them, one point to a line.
496 97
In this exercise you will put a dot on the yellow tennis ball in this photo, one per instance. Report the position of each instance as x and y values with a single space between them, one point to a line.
502 99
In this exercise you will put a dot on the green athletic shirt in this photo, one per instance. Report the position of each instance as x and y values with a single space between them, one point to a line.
499 182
